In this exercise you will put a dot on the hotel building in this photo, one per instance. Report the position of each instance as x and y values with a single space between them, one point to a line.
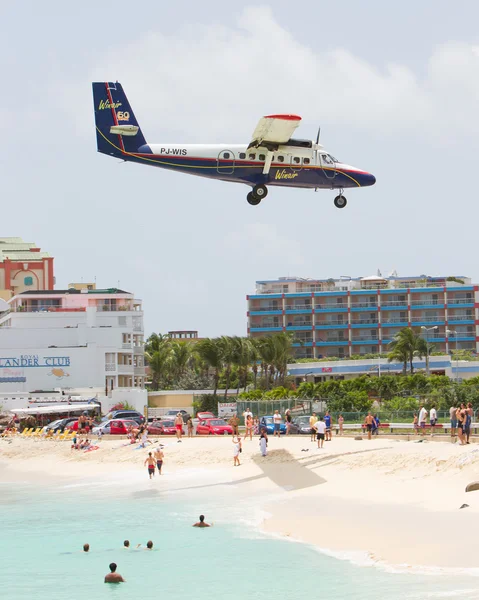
75 338
23 266
351 316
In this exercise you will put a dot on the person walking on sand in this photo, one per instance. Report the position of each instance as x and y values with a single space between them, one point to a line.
189 425
263 442
329 422
277 423
159 456
453 419
433 419
236 450
249 428
288 417
150 461
368 421
113 576
320 427
179 427
234 422
422 420
341 424
312 420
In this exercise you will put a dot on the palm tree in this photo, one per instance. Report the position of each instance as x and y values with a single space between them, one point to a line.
158 357
255 358
267 352
182 355
242 355
210 351
405 346
283 345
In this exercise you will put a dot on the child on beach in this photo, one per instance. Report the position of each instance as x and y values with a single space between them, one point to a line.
236 451
263 442
341 423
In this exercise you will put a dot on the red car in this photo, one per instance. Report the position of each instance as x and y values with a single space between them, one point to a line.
162 428
214 427
114 427
201 416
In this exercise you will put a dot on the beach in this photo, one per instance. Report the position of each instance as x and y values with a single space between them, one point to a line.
383 502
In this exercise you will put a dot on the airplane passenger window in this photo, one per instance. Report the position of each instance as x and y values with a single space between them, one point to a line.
252 156
306 161
262 157
226 155
242 155
297 160
280 158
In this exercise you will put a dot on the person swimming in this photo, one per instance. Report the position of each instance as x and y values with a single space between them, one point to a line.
126 544
113 576
201 522
86 547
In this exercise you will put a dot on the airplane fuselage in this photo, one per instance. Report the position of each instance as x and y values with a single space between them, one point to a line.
292 166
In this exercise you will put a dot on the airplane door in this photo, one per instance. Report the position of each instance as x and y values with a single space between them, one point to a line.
226 162
327 165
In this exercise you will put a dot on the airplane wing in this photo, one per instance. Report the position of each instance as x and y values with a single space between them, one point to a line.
274 129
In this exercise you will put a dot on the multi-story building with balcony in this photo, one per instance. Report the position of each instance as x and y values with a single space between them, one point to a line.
349 316
75 338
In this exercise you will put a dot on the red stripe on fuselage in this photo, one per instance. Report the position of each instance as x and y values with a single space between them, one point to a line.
115 120
283 117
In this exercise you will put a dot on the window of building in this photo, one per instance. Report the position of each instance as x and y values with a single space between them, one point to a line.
28 280
242 155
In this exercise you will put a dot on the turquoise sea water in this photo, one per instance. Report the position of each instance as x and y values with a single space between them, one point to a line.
43 530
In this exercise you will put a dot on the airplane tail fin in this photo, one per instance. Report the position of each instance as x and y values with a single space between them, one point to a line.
117 130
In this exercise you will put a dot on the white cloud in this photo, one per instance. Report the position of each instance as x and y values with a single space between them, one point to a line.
204 82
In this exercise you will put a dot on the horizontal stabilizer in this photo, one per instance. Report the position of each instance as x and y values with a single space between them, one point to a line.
124 129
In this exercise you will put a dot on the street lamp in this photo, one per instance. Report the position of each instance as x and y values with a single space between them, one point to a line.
448 331
427 330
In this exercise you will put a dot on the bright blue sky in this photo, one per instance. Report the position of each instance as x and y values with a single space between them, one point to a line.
395 89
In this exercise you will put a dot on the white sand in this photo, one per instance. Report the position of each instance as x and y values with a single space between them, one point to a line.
396 501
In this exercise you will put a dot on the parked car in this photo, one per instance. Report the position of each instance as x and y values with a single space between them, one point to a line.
162 427
201 416
125 414
300 425
214 427
171 414
114 427
74 426
269 424
61 424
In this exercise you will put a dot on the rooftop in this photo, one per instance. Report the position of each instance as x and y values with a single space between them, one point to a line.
14 248
72 291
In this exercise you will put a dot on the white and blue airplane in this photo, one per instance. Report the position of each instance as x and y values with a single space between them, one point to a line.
272 157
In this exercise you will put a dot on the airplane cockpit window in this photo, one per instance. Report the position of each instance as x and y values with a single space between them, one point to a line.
242 155
262 157
252 156
332 158
296 160
327 159
280 158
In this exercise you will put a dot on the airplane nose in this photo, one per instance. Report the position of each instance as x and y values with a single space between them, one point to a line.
369 179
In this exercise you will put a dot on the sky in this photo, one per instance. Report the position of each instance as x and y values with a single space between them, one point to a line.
395 90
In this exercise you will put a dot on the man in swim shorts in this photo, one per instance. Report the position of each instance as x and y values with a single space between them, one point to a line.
151 464
113 576
179 426
277 423
201 522
158 454
369 422
328 420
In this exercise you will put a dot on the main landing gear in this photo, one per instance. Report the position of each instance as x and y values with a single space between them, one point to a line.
259 192
340 201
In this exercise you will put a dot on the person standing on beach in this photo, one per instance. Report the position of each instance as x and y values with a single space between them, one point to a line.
249 428
320 427
150 461
113 576
312 421
453 419
179 427
415 424
329 421
263 442
433 419
469 415
368 421
277 423
247 413
189 425
287 416
341 424
461 421
236 451
159 456
422 420
234 422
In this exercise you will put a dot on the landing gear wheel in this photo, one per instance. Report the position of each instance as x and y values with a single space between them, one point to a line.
340 201
252 199
260 191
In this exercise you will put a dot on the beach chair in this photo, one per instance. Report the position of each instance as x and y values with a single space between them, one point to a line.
70 436
27 432
64 435
57 436
37 432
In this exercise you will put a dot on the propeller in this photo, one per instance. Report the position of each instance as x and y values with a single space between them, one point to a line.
317 137
316 151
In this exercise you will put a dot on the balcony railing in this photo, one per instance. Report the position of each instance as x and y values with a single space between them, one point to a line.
299 324
114 308
460 317
364 321
46 308
125 369
425 302
364 304
394 303
460 301
385 321
265 308
299 307
428 319
332 322
365 338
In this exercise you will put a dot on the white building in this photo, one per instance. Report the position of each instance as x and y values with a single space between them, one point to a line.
76 338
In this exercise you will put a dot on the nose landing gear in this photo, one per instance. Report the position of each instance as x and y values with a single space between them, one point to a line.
340 201
259 192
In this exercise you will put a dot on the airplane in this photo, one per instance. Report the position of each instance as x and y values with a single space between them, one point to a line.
271 158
